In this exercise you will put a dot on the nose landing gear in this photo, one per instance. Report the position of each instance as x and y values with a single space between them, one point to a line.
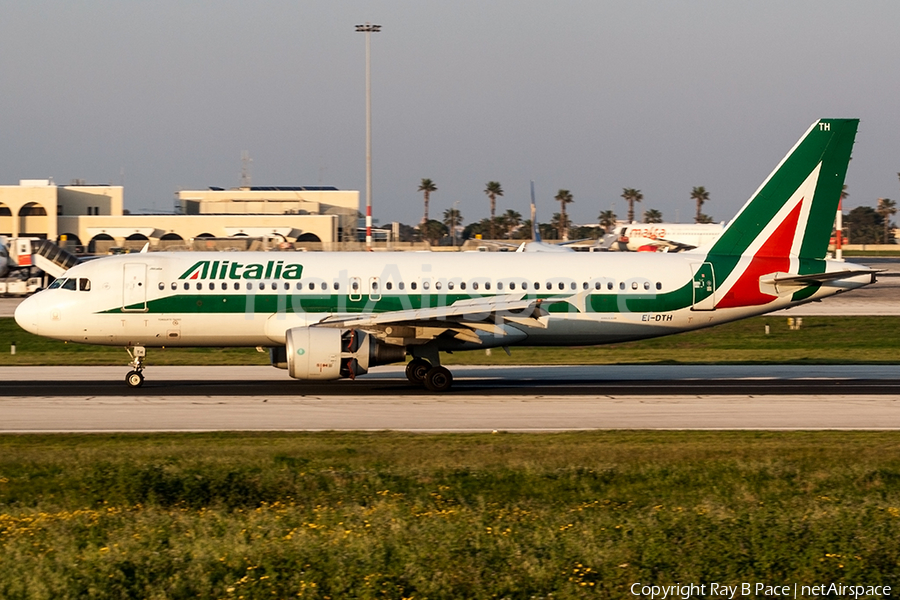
135 378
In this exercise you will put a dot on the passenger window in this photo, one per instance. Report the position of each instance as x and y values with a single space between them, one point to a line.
634 285
537 285
187 286
389 285
562 285
337 286
609 285
287 286
69 284
512 285
437 285
237 285
224 285
596 285
312 286
299 286
249 286
174 286
549 285
324 287
412 285
426 285
622 285
449 285
199 286
262 285
474 285
401 285
355 286
462 285
487 285
646 285
162 286
658 285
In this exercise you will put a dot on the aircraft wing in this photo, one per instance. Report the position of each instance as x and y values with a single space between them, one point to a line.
675 246
462 319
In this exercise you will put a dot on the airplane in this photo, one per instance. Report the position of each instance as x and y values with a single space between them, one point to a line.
326 316
664 237
537 244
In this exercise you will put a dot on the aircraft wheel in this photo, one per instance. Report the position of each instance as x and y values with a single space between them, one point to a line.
438 379
416 370
134 379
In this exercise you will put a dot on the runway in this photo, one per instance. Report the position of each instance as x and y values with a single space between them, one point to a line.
95 399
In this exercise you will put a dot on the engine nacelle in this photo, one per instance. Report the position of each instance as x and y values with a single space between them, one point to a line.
323 353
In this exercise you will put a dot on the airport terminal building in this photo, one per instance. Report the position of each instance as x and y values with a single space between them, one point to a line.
92 217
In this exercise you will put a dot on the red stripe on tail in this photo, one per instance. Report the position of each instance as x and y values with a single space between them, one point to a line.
773 256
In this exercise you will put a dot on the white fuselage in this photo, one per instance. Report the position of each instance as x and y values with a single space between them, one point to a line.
245 299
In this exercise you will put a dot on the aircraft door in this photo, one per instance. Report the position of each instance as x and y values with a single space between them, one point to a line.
134 287
355 289
374 289
704 284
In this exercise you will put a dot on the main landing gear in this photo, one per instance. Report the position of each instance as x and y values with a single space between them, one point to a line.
135 378
435 378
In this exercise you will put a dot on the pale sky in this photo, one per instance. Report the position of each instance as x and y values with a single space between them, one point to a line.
589 96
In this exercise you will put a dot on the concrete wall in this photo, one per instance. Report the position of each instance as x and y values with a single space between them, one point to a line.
154 228
18 205
90 199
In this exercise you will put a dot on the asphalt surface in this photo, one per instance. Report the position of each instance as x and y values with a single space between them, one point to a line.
551 398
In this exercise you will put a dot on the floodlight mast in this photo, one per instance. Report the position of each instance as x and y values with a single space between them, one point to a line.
368 28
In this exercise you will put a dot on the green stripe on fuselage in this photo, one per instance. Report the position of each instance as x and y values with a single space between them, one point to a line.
637 301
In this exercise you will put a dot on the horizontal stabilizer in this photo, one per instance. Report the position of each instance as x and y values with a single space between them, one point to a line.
801 280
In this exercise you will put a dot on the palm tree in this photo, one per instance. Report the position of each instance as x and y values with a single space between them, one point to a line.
559 223
564 197
886 208
607 219
432 231
493 190
653 216
452 218
426 187
511 219
700 195
631 196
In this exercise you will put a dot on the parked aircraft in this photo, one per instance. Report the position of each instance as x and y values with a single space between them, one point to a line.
665 237
332 315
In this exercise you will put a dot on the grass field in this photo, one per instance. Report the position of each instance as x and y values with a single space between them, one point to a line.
820 340
389 515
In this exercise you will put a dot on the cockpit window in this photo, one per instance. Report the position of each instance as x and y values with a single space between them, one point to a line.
55 284
69 284
84 285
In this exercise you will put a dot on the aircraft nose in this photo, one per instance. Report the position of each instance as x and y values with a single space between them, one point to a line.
28 312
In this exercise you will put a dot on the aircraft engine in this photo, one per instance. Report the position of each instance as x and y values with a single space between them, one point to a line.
323 353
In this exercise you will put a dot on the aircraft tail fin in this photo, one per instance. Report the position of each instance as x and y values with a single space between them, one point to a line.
792 213
535 230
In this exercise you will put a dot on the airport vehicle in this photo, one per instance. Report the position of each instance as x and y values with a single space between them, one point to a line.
665 237
332 315
25 262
